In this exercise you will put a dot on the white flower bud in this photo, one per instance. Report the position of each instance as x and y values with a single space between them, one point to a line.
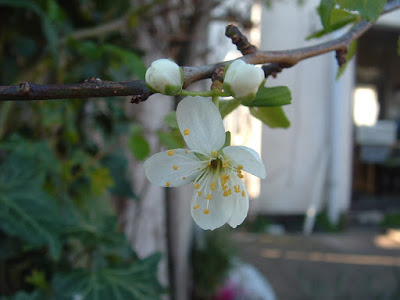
164 76
243 80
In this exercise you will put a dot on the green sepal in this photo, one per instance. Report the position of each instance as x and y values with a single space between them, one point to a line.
274 117
227 89
227 140
227 106
271 96
398 46
172 90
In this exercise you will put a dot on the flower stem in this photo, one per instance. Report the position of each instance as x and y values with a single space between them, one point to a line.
215 99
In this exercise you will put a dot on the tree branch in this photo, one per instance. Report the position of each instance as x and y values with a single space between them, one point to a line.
139 92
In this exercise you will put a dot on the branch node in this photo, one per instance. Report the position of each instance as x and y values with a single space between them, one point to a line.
24 87
341 56
218 74
238 39
274 68
93 80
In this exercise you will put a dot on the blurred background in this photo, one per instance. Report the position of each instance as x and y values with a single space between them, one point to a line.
78 218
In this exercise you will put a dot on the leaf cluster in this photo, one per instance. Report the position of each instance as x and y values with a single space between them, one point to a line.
63 164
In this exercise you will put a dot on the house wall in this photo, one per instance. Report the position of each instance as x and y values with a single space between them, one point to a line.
299 160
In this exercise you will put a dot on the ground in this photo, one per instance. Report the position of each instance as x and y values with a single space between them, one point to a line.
358 263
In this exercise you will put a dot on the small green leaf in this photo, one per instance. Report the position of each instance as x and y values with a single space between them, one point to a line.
349 56
170 120
139 146
368 9
227 106
273 117
338 19
324 9
271 96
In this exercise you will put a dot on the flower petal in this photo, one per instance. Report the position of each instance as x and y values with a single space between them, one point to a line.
220 209
200 124
248 158
241 208
172 168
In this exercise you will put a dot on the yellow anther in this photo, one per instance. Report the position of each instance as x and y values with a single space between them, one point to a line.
240 175
243 193
236 188
198 169
170 152
199 193
209 163
196 206
183 178
186 151
224 187
196 185
186 131
175 167
168 183
214 153
213 185
226 193
225 164
239 167
206 211
208 197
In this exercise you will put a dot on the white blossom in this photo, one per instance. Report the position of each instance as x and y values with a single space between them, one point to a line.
164 76
243 80
216 171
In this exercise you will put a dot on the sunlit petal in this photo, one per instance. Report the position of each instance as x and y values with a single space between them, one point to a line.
248 158
241 205
211 214
200 124
172 168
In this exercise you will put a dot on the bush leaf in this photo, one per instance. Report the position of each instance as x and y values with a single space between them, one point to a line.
368 9
273 117
271 96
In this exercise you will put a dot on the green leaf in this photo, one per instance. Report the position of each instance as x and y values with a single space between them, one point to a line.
349 56
117 165
171 139
271 96
273 117
48 28
227 106
137 281
26 211
100 180
138 146
338 19
324 9
171 121
368 9
134 63
21 295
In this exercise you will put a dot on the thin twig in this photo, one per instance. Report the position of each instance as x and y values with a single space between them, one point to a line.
139 92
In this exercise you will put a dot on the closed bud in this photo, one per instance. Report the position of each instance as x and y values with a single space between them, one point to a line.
243 80
164 76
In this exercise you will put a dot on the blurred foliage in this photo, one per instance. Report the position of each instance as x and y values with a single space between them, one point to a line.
391 220
322 223
258 224
212 255
62 161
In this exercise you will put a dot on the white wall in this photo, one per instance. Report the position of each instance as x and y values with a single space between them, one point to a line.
294 157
